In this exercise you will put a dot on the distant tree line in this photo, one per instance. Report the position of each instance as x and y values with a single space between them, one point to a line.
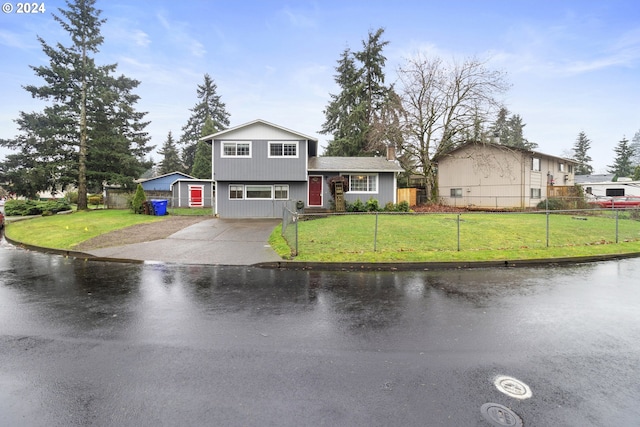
91 134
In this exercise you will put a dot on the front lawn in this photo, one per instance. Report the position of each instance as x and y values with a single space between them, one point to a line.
478 236
67 230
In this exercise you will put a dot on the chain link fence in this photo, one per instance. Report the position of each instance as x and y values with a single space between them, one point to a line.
457 231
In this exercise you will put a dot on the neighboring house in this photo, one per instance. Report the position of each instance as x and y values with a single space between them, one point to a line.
162 182
605 186
180 189
492 176
259 168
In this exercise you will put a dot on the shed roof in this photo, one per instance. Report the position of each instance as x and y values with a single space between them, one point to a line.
353 164
176 173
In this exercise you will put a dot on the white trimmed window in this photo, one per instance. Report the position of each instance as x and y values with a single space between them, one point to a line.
536 164
236 192
535 193
283 149
364 183
281 192
236 149
264 192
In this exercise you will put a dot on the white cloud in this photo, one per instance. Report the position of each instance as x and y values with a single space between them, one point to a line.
14 40
179 36
298 19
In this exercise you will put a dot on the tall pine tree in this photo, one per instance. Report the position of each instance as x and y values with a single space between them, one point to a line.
170 157
352 115
89 132
209 105
622 166
202 161
580 153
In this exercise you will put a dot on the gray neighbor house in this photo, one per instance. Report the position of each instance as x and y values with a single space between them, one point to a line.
258 168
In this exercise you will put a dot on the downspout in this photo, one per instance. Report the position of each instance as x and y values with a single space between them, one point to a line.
214 184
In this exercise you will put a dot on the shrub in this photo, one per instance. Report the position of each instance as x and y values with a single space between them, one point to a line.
96 199
356 206
400 207
372 205
553 204
403 207
72 197
32 207
137 203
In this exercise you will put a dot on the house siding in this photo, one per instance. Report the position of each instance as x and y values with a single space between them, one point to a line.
260 167
491 177
244 208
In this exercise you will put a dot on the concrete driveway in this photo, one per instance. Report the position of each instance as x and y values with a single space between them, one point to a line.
215 242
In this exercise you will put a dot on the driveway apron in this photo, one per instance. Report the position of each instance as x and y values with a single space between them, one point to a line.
215 241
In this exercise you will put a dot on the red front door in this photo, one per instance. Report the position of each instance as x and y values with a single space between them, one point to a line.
315 191
195 196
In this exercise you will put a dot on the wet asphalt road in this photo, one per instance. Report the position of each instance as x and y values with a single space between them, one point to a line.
107 344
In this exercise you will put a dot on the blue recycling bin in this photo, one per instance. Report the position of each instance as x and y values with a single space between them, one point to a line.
159 207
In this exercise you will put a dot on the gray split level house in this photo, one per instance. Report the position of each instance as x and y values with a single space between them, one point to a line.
258 168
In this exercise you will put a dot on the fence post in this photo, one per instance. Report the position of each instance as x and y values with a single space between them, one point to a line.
547 228
375 235
617 212
295 221
458 232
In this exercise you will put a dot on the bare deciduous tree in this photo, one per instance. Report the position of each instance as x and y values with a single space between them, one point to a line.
441 105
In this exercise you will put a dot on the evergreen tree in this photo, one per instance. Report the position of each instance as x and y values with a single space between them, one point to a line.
202 159
170 157
622 166
202 164
510 131
89 132
345 117
209 105
499 128
352 114
580 150
635 145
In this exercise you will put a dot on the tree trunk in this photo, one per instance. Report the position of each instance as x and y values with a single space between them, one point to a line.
82 150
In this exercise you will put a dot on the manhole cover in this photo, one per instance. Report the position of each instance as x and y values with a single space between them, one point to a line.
512 387
499 415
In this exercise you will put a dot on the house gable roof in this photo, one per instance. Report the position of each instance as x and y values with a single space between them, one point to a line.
184 175
505 147
353 164
258 129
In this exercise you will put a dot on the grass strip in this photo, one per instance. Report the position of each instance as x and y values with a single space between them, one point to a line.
66 231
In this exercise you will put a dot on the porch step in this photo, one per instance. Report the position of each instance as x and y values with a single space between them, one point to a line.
316 211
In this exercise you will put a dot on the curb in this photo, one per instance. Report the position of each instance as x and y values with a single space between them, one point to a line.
366 266
442 265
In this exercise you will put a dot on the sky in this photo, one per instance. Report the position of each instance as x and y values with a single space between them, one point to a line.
573 66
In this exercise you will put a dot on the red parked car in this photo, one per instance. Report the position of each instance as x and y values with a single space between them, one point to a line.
618 202
1 220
